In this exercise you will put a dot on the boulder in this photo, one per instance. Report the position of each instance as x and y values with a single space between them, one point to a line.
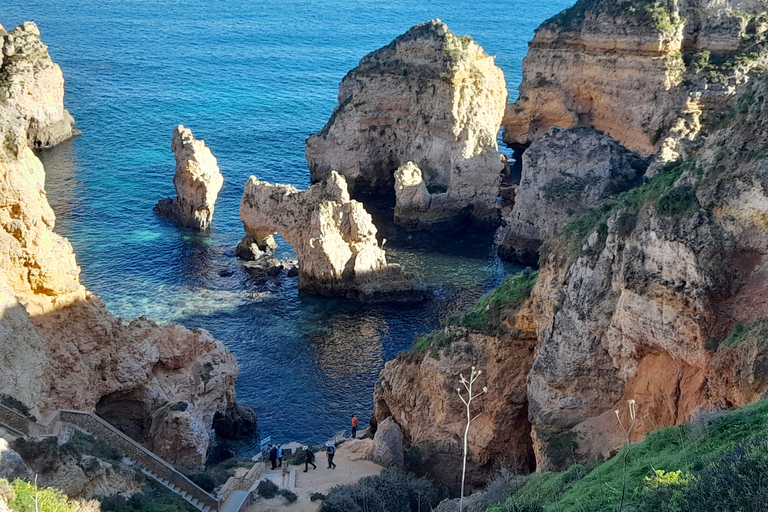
388 444
197 181
12 466
333 236
236 422
565 174
429 97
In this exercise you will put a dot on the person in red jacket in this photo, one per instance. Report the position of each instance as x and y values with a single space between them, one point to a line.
354 426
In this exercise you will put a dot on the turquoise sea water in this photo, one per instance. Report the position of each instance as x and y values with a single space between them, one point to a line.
254 79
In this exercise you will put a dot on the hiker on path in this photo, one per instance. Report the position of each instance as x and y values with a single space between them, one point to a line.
354 426
280 456
273 456
309 458
330 451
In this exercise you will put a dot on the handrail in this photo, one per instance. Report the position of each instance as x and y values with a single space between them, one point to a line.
101 428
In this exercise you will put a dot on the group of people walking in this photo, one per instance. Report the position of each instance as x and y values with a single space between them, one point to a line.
276 452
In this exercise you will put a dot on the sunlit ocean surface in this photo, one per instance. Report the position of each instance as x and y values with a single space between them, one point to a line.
254 79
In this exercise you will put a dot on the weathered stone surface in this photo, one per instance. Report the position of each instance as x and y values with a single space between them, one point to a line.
565 174
197 181
639 72
11 464
250 248
333 236
388 444
429 97
65 350
419 392
32 87
236 422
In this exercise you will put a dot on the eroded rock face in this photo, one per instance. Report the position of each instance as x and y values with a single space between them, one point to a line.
565 174
197 181
333 236
388 444
32 87
419 393
64 349
429 97
641 72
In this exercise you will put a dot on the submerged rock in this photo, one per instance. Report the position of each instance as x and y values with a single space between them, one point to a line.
429 97
197 181
333 236
565 174
32 87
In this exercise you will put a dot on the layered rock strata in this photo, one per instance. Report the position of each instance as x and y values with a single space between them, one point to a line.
658 297
197 182
565 174
642 71
333 236
429 97
63 349
32 87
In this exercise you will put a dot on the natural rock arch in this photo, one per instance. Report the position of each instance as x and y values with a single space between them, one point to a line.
333 236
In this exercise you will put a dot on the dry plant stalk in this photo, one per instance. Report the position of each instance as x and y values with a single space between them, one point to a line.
627 434
467 402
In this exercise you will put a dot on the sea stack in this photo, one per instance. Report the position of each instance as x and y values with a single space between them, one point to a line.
197 181
32 86
431 98
333 236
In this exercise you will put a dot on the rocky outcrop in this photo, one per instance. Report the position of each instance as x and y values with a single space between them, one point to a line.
388 444
333 236
642 71
429 97
418 391
32 88
197 181
63 349
659 296
565 174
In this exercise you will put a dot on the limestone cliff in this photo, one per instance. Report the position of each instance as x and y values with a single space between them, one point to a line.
32 87
197 181
429 97
658 296
333 236
63 349
643 71
565 174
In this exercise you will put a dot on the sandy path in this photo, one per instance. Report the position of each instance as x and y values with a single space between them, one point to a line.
349 469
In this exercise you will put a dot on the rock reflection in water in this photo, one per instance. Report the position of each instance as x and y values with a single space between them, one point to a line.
350 345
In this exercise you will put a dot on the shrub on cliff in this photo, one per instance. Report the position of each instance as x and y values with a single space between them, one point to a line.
485 316
27 497
392 490
153 498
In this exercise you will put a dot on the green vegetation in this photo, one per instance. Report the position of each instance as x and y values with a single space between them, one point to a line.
267 489
218 474
21 497
153 498
288 495
659 14
13 403
485 316
659 192
85 444
9 143
437 189
392 490
714 464
757 331
664 15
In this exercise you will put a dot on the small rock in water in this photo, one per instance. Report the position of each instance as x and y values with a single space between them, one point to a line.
226 273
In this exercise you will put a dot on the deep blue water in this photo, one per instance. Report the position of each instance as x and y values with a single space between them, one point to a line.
254 79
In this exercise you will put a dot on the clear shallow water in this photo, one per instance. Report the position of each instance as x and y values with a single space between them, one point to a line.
253 79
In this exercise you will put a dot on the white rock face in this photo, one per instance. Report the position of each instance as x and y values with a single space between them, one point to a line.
333 236
429 97
32 87
197 181
388 444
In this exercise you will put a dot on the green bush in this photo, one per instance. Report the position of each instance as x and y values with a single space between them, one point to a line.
85 444
153 498
316 496
42 455
48 500
392 490
485 316
13 403
267 489
288 495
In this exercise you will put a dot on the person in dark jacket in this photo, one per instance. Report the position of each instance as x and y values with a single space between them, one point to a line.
309 458
273 456
330 451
